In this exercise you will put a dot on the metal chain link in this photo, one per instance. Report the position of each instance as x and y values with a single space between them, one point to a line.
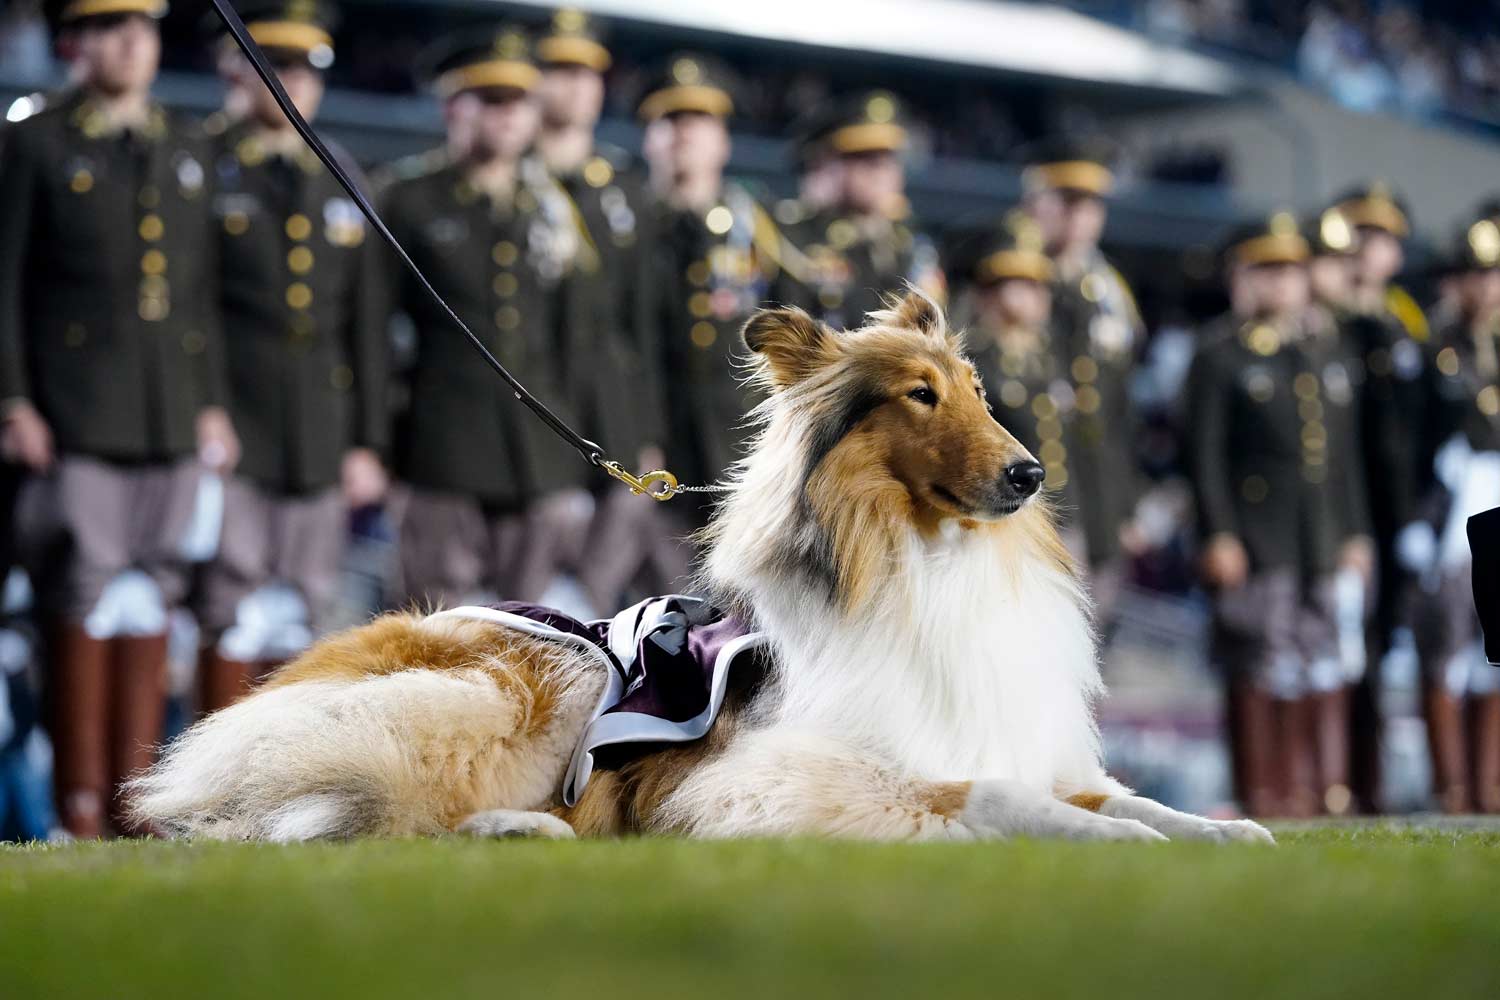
659 485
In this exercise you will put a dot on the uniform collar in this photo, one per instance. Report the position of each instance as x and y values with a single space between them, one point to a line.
254 145
94 121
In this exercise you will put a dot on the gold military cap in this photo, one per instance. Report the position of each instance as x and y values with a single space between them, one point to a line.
1014 251
500 61
691 82
571 39
1275 240
1070 164
873 123
300 28
79 10
1376 207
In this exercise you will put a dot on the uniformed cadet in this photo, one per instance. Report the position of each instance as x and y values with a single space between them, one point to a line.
492 494
1099 329
1270 431
613 370
306 366
820 176
863 248
1385 330
717 255
112 381
1332 266
1028 384
1390 340
1463 435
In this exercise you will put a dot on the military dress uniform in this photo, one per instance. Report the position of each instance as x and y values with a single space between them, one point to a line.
615 385
1462 431
485 476
1385 358
614 370
1029 385
713 267
852 262
306 365
1271 440
109 327
1099 332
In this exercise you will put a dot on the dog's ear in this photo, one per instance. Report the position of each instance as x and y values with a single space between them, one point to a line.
917 311
791 343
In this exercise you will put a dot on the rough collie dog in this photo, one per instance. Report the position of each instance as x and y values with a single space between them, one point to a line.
928 665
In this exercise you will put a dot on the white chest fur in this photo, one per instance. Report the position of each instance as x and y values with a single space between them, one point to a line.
968 666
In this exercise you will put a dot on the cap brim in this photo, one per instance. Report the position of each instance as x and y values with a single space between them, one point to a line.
564 50
1376 213
1070 175
1004 265
80 10
1272 248
290 36
868 137
686 97
495 74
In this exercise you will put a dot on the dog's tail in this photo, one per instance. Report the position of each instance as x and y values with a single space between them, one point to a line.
367 756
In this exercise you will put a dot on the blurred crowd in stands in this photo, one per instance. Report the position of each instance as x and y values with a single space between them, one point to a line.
1415 58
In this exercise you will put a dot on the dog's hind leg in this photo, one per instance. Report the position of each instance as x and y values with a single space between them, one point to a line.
505 823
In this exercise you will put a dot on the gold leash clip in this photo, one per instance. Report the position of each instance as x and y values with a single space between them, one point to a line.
660 485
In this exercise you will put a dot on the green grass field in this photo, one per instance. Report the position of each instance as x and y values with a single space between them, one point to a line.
1368 912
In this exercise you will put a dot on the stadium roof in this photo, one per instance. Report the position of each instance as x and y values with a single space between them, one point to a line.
1013 37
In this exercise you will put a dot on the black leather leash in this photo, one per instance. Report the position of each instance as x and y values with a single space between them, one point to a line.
660 485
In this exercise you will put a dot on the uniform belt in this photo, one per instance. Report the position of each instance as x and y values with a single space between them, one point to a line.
659 485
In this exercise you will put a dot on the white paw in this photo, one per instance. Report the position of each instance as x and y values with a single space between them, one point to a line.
500 823
1231 831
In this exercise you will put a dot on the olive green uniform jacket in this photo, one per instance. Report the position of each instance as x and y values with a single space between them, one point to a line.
615 375
1388 364
1272 444
505 270
1033 397
109 305
711 270
1098 337
1462 385
303 335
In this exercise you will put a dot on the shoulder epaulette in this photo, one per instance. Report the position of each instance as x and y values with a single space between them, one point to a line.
1127 291
771 241
1405 309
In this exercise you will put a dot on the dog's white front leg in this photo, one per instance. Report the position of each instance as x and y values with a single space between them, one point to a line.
1005 809
1181 825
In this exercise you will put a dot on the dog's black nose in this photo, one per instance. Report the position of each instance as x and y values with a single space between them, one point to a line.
1025 477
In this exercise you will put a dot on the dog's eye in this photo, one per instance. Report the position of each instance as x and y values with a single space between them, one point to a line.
924 395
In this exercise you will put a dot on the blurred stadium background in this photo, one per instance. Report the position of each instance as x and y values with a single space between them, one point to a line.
1224 110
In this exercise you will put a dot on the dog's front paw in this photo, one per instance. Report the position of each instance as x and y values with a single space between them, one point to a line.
503 823
1230 831
1245 831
